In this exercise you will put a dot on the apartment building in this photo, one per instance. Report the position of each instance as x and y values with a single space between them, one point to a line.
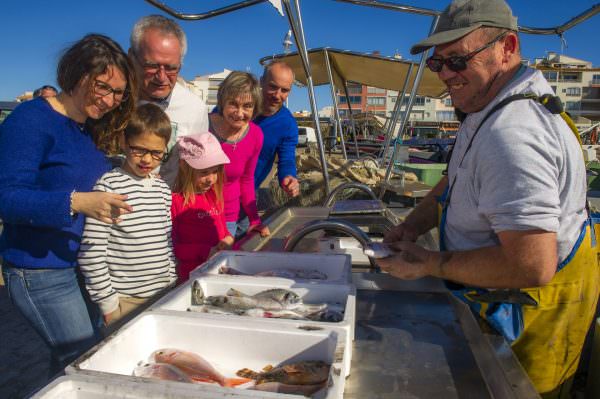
576 82
207 86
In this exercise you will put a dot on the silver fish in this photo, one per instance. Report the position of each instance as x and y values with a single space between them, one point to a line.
213 310
269 299
377 250
308 274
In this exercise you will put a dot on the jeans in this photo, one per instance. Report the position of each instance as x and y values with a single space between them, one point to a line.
232 228
52 302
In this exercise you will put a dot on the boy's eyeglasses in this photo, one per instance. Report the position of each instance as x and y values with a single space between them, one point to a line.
141 152
457 63
103 89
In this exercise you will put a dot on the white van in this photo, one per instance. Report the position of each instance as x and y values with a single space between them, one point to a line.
306 135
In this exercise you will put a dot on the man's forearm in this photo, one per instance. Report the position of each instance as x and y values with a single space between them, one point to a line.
425 216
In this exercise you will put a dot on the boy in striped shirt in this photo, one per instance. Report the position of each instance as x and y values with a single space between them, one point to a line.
131 260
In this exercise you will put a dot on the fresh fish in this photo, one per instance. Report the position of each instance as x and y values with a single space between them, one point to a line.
197 294
280 272
194 366
377 250
161 371
268 300
310 372
275 314
213 310
306 390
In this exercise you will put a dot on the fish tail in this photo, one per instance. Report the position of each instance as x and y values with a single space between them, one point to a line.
232 382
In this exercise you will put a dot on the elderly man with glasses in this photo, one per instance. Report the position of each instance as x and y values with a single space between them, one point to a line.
515 237
158 45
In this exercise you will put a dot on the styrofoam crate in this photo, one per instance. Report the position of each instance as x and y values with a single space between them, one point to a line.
81 386
226 344
338 268
345 294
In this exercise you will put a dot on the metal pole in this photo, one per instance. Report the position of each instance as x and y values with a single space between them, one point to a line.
351 118
335 105
395 114
301 45
411 99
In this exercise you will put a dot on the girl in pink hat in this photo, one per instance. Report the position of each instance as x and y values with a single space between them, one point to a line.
197 211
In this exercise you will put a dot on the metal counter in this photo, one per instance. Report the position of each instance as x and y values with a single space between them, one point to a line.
413 339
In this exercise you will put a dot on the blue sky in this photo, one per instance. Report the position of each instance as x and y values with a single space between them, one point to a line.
33 33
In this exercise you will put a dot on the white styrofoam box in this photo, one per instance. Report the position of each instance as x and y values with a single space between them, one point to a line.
226 344
345 294
338 268
589 153
344 245
81 386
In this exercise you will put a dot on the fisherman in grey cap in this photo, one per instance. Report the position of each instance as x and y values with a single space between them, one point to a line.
514 237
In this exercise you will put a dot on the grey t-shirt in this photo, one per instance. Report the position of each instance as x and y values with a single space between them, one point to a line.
524 171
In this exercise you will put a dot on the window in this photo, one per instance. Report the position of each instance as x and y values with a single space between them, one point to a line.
573 91
375 90
353 99
445 115
551 76
376 100
419 101
553 89
570 77
393 99
448 102
572 105
354 89
596 80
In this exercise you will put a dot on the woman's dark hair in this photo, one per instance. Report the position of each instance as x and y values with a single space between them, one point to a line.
149 118
90 57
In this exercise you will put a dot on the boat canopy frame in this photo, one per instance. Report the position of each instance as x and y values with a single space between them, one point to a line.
294 17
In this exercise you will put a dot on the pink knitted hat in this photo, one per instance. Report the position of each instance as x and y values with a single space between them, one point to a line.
201 151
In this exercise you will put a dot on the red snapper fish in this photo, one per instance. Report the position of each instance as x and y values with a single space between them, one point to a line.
194 366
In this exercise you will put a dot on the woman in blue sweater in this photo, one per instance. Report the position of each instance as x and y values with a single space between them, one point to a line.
50 157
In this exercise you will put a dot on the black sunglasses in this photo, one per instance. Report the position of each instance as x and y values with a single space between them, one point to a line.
457 63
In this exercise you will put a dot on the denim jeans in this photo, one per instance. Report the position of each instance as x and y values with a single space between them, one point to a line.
52 302
232 228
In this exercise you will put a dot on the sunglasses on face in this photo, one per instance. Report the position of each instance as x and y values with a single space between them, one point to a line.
457 63
141 152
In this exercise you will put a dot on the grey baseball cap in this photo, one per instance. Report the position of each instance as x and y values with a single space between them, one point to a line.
464 16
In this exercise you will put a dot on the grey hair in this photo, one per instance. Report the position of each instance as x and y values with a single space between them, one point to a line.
165 25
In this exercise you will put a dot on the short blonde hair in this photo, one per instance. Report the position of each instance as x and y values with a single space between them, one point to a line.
236 84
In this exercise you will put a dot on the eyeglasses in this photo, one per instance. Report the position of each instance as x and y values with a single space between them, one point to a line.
103 89
141 152
457 63
152 68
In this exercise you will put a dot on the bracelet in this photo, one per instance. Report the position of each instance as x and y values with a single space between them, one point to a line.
71 211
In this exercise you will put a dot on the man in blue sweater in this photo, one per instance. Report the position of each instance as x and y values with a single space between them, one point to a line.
279 128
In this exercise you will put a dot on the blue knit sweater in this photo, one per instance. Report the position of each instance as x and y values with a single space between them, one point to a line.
280 137
44 156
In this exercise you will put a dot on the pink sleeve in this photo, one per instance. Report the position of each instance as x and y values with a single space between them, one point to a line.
247 193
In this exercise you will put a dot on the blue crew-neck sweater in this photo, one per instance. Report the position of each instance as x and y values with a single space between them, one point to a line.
280 132
44 156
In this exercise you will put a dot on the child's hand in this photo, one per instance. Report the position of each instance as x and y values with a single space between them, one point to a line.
261 228
225 243
108 317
